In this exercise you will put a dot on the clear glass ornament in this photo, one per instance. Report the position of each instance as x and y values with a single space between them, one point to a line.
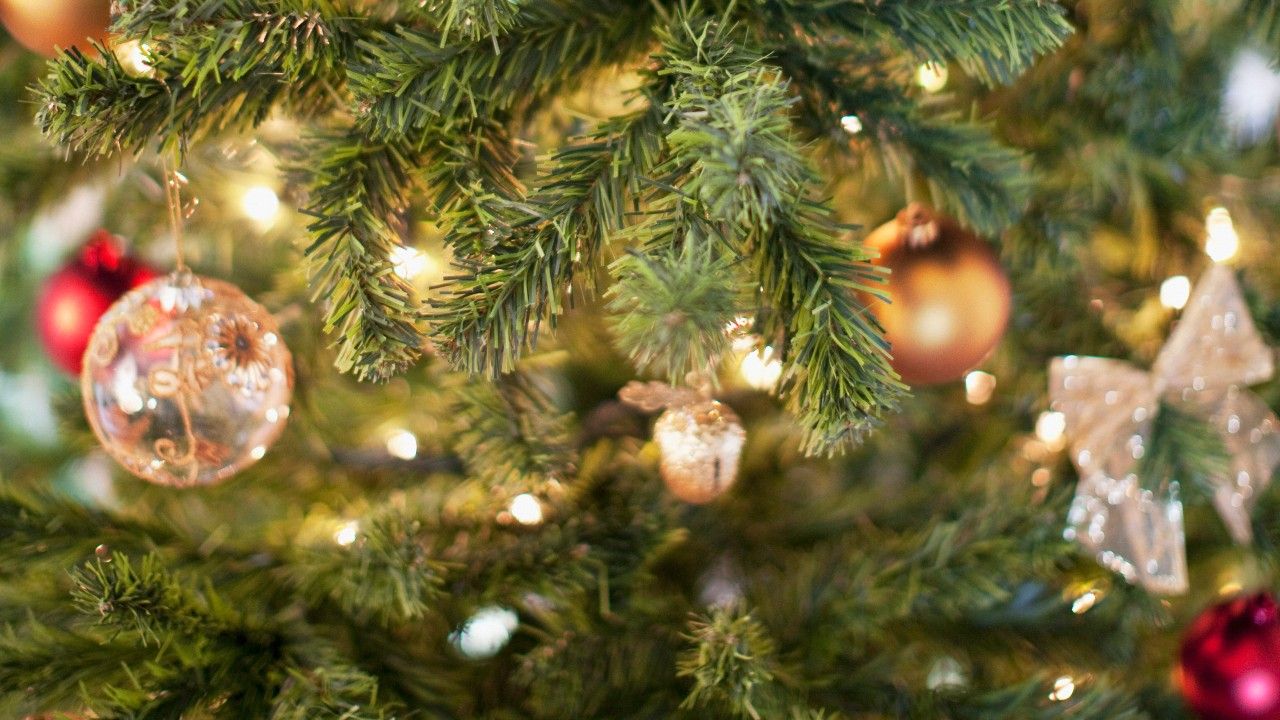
186 380
700 444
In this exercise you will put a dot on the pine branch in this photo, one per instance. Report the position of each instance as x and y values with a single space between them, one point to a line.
671 306
729 663
386 576
358 190
512 434
224 67
748 174
971 175
994 40
409 81
488 317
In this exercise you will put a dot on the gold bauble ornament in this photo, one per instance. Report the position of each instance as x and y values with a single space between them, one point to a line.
700 444
43 26
950 298
186 380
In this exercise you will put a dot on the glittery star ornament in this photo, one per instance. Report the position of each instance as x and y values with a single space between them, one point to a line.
1213 354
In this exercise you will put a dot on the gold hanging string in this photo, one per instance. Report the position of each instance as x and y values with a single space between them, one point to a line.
173 197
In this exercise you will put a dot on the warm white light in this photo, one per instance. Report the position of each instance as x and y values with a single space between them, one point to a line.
1175 292
402 444
760 369
260 204
979 387
347 534
1063 688
408 262
1084 603
932 77
526 509
851 124
486 633
1050 428
1223 243
133 58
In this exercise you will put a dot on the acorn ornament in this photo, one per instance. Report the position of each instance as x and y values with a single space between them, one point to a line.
949 297
186 380
72 299
699 439
44 26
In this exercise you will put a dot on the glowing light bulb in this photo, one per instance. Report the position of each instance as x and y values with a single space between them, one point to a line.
760 369
851 124
1084 603
526 509
133 58
931 76
347 534
485 633
1063 688
979 387
1175 292
261 205
408 262
1223 242
1051 428
403 445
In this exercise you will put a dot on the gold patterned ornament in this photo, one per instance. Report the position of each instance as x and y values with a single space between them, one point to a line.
186 381
699 439
1212 355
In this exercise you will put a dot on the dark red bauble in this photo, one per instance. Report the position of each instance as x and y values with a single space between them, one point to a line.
74 297
1230 660
949 297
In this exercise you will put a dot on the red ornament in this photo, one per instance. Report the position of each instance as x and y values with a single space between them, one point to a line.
949 296
1230 660
74 297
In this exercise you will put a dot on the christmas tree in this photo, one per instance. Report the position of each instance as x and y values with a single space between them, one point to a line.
639 359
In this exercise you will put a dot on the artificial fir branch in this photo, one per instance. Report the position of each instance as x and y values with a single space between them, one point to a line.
488 316
359 188
225 67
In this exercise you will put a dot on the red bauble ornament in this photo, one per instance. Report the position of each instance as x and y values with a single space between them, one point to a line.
950 298
74 297
1230 660
43 26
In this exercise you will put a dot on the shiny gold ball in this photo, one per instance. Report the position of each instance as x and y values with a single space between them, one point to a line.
43 26
186 381
950 298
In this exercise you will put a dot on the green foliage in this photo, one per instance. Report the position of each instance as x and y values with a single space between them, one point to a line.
671 309
728 663
1185 449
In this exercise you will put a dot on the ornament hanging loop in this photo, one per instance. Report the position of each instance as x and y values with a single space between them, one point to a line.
173 182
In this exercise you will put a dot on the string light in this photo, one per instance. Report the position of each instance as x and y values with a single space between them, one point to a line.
1223 242
1051 427
526 509
347 534
851 124
485 633
408 262
1063 688
261 205
1084 603
1175 292
403 445
979 387
931 76
760 369
132 55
